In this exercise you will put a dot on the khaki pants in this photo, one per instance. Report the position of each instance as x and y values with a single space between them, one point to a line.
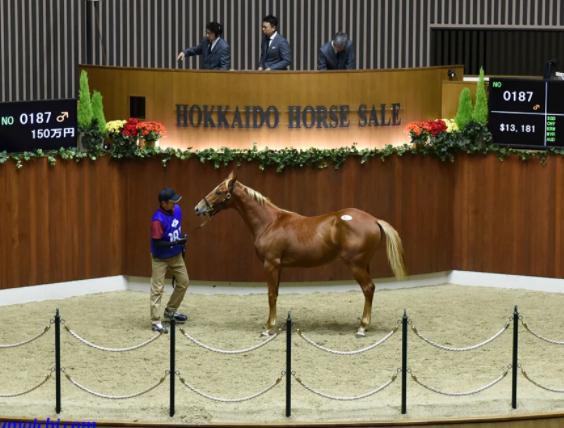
178 268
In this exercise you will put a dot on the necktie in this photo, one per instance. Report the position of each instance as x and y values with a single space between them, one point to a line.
209 48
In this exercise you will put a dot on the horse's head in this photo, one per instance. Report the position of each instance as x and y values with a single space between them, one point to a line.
218 198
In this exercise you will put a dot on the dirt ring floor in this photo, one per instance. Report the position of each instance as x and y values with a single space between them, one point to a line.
452 315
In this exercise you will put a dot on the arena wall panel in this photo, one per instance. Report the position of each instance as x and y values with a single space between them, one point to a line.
91 220
60 223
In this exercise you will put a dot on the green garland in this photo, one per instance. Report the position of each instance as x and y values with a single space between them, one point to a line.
289 157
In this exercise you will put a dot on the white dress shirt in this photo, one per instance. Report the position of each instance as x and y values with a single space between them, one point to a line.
272 38
333 46
214 42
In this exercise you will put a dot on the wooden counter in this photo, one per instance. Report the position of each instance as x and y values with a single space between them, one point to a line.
407 95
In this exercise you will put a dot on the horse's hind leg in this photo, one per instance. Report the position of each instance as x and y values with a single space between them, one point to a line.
362 276
272 270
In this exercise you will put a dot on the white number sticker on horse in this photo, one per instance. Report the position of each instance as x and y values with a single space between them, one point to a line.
346 217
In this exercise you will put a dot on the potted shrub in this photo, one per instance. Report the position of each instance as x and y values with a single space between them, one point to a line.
93 139
84 114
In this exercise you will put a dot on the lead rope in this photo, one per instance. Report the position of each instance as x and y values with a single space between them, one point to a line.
210 216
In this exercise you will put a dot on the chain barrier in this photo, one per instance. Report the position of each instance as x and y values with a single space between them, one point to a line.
524 373
220 351
76 336
113 397
17 394
538 335
227 400
45 330
311 342
470 348
358 397
460 394
278 380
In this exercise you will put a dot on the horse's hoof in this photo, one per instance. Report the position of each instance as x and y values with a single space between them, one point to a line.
360 335
265 334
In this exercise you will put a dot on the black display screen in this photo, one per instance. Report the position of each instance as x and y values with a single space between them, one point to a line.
31 125
526 113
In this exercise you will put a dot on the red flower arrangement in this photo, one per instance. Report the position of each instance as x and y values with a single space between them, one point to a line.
130 129
151 131
421 131
435 127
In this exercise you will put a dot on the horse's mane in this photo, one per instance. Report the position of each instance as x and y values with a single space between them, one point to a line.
257 196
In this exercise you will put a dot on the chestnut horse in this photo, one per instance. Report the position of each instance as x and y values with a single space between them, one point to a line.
286 239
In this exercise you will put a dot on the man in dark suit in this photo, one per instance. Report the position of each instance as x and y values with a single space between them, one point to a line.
338 54
275 50
215 51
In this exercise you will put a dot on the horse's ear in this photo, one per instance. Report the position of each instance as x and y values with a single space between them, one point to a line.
232 178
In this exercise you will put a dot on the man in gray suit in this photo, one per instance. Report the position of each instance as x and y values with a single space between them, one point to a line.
215 51
338 54
275 50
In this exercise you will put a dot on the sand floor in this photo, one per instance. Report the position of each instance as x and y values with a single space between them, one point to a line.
451 315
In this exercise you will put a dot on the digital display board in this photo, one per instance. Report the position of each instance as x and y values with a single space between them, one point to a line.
527 113
31 125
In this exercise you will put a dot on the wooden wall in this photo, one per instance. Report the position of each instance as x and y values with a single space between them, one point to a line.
414 194
527 420
60 223
79 221
509 216
418 91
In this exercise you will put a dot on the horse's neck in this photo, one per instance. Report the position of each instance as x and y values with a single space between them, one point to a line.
255 215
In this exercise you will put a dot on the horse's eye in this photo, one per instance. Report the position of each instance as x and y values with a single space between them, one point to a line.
218 193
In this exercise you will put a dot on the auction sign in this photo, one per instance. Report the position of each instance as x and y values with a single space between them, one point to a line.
32 125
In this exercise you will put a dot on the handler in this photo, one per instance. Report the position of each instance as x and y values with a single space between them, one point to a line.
166 252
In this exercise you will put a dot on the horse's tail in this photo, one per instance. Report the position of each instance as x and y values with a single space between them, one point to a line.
394 249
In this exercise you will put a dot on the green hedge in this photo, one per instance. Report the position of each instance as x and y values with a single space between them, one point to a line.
290 157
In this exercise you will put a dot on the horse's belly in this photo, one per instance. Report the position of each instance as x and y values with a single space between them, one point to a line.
308 258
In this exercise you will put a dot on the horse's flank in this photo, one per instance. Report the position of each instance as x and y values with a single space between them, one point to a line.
298 241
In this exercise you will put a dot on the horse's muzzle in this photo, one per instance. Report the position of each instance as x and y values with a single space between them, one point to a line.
201 209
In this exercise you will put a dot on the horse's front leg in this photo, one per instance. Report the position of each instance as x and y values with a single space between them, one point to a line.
272 270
